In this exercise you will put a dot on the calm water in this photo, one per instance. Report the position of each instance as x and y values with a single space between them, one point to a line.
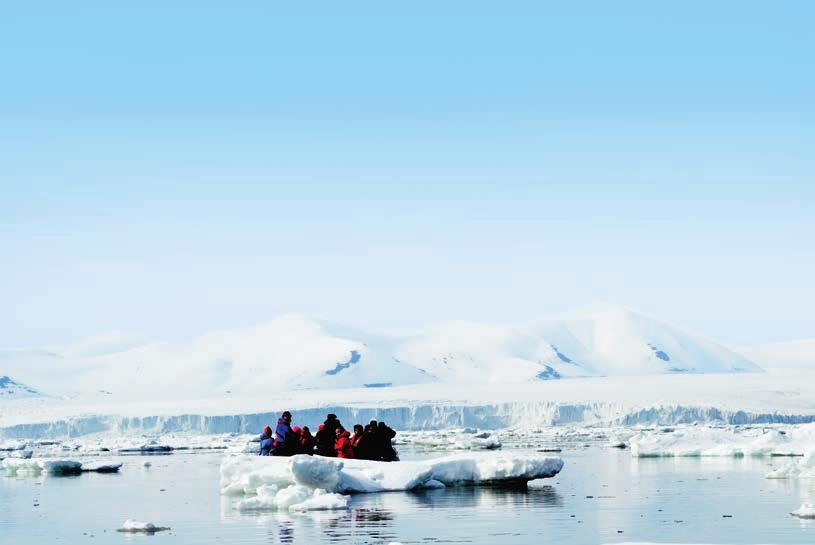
599 493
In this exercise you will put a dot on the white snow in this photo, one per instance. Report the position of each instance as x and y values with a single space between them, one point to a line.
295 352
706 441
137 526
293 483
806 511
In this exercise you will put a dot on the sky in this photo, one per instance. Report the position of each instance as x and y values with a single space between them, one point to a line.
172 168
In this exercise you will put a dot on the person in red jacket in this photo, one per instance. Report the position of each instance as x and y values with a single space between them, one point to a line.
343 445
306 441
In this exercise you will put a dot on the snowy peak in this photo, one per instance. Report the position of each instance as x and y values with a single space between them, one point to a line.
622 342
11 389
296 352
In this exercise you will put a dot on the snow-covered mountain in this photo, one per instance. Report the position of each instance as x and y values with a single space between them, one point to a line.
295 352
783 356
12 389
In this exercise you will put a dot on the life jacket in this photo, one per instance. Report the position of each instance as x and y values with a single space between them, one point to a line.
343 446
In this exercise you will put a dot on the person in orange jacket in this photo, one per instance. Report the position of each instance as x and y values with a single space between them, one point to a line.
342 445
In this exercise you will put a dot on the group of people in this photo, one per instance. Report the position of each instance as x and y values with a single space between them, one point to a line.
371 442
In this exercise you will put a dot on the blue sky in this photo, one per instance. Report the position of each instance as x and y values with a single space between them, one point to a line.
172 169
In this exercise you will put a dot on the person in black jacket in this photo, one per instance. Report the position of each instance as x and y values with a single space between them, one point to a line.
326 435
385 450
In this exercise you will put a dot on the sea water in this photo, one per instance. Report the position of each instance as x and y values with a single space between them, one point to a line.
602 496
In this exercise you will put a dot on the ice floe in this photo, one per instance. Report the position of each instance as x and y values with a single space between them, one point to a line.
101 466
707 441
797 469
137 526
806 511
37 466
313 482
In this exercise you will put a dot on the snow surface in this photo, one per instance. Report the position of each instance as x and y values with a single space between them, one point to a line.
295 352
706 441
313 482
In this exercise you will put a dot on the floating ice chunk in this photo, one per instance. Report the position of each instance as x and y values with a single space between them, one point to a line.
294 498
60 467
806 511
801 469
136 526
24 454
149 447
705 441
13 444
257 475
481 441
616 442
102 466
35 466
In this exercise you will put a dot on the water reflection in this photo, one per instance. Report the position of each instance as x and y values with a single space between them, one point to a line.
374 517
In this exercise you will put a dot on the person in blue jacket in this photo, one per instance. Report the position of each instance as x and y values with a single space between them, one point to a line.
286 442
266 442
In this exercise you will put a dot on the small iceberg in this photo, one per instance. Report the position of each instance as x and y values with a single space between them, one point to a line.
303 483
105 466
136 526
806 511
36 466
49 466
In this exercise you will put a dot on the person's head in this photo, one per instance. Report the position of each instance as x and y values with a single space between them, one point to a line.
373 423
321 427
306 431
339 431
267 430
382 426
331 416
357 428
287 416
296 429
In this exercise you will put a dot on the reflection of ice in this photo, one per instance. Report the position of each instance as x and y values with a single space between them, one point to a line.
374 517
